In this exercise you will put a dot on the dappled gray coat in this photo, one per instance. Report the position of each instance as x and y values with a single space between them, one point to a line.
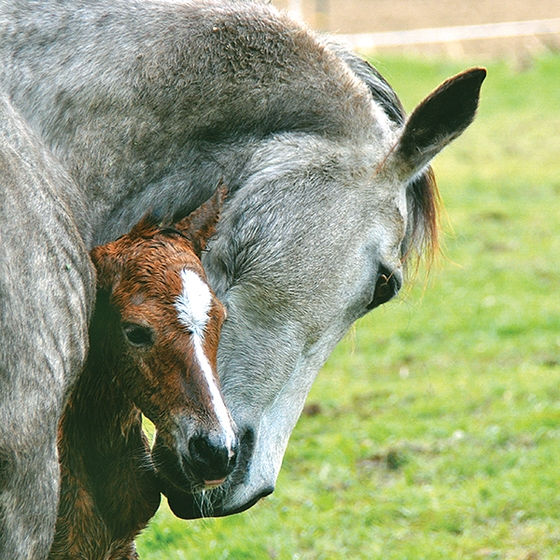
133 105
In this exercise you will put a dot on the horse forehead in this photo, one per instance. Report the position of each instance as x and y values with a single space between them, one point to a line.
157 272
194 302
365 205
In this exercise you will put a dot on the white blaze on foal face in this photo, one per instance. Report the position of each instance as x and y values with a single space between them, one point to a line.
193 306
194 303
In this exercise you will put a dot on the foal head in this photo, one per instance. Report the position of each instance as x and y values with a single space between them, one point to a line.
161 330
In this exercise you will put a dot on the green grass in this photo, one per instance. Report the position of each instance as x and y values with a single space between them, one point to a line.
434 430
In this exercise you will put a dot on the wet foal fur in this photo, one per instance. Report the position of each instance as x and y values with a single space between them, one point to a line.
109 490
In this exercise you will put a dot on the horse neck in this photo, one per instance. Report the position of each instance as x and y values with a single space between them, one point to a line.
98 418
168 160
108 485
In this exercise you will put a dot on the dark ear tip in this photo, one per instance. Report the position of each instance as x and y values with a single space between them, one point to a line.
477 75
478 71
474 76
438 119
461 89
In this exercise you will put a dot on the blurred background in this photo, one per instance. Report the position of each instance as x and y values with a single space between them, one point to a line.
382 18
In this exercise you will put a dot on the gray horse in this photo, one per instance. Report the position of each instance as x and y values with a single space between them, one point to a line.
46 294
141 103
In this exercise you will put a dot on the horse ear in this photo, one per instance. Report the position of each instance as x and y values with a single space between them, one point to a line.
438 120
200 225
107 266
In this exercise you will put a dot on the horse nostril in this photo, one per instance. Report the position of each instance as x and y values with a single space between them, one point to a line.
211 458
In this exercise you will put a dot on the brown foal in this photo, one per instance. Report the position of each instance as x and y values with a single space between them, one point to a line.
153 344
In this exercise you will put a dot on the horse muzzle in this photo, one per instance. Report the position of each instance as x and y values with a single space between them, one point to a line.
183 497
211 458
187 506
201 461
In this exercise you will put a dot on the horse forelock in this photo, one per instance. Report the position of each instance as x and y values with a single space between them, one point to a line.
422 242
381 91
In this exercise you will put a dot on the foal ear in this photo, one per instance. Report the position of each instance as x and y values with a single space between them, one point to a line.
200 225
107 266
438 120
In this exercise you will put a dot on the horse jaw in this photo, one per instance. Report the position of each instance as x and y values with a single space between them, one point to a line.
262 444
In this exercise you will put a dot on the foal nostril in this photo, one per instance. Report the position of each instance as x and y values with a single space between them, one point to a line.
211 458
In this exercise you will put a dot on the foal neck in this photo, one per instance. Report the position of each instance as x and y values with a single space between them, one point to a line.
108 490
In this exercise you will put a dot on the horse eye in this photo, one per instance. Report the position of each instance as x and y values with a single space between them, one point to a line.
382 289
138 335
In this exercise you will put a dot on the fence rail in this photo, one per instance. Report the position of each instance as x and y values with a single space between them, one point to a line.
450 34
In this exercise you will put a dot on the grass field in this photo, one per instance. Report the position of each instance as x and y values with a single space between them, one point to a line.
433 432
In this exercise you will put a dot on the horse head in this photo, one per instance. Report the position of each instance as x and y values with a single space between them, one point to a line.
163 328
318 236
331 195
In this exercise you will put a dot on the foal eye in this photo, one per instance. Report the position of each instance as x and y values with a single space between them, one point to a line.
138 335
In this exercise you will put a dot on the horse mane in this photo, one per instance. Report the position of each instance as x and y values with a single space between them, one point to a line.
170 231
154 224
422 239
